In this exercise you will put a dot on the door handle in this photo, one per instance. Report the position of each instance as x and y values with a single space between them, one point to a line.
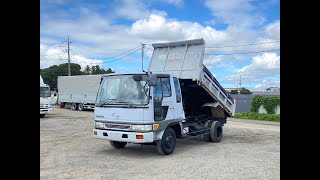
171 107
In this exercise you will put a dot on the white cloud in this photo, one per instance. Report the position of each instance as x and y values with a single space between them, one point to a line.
210 61
93 36
267 63
264 84
54 56
272 30
96 35
177 3
135 9
159 28
52 1
262 66
83 61
234 12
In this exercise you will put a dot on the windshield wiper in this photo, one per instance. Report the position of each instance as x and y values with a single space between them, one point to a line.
121 101
107 102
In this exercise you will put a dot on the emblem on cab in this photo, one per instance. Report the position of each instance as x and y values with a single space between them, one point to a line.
115 116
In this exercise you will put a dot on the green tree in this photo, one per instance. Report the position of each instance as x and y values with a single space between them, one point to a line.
87 70
245 91
97 70
234 91
50 74
109 71
93 69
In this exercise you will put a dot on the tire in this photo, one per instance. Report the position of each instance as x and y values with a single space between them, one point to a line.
42 115
207 137
74 106
216 131
80 107
117 144
167 144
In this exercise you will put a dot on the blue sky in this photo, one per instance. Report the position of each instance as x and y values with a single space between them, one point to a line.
100 29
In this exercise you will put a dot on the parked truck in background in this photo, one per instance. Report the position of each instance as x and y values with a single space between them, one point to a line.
45 98
78 92
177 98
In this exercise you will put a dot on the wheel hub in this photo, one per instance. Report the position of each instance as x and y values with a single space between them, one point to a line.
169 140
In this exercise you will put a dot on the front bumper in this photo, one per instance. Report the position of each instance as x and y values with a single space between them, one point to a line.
123 136
45 110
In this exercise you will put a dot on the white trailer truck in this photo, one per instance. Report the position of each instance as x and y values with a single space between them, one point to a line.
78 92
45 99
177 98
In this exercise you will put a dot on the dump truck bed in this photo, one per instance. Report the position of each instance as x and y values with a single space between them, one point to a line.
184 60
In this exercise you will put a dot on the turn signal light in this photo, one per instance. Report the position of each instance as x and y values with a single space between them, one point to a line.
139 136
155 126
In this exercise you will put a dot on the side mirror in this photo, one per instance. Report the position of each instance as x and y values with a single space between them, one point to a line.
152 79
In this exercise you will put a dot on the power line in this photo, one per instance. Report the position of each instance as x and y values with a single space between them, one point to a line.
123 53
75 58
142 53
123 56
245 44
112 60
245 52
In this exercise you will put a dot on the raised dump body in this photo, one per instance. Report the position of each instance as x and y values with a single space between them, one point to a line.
184 59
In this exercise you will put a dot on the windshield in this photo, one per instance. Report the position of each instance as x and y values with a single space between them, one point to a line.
45 92
122 89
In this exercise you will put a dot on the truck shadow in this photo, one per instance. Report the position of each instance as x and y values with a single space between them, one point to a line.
149 151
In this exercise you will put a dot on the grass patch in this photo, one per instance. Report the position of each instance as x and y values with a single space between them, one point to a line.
258 116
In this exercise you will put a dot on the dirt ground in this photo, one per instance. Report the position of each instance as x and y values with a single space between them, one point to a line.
248 150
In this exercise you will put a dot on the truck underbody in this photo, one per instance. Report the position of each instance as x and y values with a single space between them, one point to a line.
193 98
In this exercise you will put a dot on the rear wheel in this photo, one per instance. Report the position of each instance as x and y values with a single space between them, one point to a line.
216 131
117 144
80 107
167 144
74 106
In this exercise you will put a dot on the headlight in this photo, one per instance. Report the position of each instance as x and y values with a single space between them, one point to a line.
98 125
141 127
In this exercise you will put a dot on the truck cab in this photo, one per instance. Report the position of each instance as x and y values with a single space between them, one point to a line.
131 109
45 98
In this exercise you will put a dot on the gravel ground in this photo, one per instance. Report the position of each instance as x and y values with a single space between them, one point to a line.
248 150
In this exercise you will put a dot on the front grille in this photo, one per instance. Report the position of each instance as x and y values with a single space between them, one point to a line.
117 126
44 105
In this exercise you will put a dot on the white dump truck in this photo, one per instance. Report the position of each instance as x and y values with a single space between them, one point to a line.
45 98
177 98
78 92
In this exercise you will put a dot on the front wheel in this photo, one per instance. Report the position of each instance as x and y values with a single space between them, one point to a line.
167 144
117 144
42 115
207 136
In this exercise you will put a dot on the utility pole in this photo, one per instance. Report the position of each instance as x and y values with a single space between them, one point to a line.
142 54
240 83
69 72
